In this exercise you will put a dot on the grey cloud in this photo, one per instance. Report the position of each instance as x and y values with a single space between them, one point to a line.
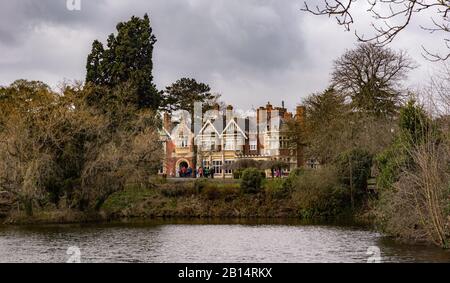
19 18
251 51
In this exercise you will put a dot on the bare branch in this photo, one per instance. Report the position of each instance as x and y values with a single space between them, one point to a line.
390 18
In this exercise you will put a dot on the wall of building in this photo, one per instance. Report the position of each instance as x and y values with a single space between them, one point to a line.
271 143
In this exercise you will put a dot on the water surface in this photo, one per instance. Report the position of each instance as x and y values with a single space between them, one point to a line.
207 241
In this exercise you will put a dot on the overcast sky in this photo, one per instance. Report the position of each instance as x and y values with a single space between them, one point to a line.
251 51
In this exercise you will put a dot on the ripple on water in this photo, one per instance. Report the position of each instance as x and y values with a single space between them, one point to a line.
205 243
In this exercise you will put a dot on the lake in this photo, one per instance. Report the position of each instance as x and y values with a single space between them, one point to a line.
217 241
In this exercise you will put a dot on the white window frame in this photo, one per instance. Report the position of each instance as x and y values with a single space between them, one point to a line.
217 165
254 145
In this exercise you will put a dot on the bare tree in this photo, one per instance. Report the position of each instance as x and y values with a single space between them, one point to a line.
55 149
441 85
370 76
390 18
435 95
416 208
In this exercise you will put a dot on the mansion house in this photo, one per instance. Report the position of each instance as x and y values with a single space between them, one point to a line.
225 137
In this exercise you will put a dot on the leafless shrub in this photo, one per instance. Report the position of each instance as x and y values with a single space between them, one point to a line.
417 208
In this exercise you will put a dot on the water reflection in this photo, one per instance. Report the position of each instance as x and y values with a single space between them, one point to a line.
207 241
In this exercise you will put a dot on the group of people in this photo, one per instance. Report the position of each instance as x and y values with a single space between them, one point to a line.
278 173
188 172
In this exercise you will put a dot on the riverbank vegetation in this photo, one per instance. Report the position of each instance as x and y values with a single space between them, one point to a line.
91 151
393 153
231 199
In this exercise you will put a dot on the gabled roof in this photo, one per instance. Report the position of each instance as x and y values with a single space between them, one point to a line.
233 122
205 127
181 126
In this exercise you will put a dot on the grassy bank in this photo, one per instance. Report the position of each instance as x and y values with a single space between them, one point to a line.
223 198
187 199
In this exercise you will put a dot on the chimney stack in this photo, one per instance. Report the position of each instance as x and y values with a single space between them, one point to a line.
167 123
300 114
217 107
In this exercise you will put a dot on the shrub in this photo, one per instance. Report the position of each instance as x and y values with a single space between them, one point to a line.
360 163
413 180
237 173
200 184
415 124
211 192
319 193
251 180
177 191
263 174
296 172
289 183
276 188
230 192
416 207
390 163
415 128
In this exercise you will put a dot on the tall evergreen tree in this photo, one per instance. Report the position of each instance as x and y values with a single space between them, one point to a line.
184 93
94 71
127 59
